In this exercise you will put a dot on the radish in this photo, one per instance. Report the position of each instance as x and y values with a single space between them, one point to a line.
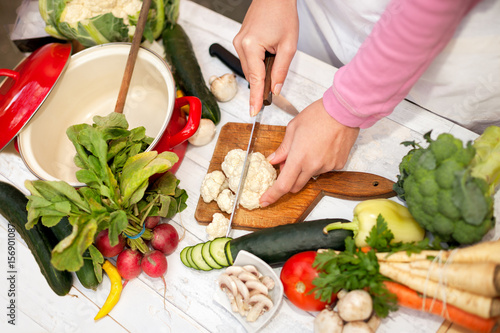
128 264
165 238
154 264
152 221
103 245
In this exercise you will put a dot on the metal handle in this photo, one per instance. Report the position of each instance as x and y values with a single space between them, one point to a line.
268 95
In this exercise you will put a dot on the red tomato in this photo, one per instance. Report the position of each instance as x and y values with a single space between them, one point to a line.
297 276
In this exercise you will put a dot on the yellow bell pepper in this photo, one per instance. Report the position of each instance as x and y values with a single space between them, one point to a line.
115 291
398 218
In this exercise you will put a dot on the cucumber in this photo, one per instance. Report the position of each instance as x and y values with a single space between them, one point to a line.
275 245
184 256
86 274
40 239
205 251
217 250
186 70
197 258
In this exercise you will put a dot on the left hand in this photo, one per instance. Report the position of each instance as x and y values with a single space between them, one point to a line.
314 143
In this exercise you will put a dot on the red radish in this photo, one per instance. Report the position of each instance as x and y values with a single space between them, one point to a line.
102 244
152 221
154 264
165 238
128 263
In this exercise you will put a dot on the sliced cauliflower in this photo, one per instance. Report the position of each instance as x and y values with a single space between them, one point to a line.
225 200
218 227
213 183
261 175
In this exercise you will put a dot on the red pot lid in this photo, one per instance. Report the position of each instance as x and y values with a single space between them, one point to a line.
27 86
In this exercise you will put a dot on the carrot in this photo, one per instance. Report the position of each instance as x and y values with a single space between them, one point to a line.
482 306
411 299
482 278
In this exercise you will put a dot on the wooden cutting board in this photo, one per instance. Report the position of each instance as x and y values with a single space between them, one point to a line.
291 208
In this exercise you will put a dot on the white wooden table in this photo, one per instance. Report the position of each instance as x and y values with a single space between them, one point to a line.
189 296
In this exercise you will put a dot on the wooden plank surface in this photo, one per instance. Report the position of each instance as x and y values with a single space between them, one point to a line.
291 208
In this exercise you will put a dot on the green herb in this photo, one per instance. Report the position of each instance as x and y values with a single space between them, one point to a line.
118 195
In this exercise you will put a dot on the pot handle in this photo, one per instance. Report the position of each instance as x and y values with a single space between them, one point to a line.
193 121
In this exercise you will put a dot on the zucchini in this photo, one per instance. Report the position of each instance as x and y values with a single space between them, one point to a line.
186 70
197 258
184 256
40 239
205 251
275 245
217 250
86 274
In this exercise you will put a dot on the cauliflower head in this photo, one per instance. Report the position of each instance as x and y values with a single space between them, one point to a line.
218 227
225 201
261 175
440 192
213 183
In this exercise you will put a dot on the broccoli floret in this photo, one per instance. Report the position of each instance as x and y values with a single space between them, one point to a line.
441 191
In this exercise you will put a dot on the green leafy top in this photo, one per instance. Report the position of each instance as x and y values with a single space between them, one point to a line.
118 195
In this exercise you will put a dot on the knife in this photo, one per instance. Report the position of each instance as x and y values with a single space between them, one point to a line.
232 61
268 99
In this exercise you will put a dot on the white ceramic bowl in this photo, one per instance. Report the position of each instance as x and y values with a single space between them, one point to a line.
89 87
276 294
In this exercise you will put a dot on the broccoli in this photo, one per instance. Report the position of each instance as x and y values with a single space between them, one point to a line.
449 188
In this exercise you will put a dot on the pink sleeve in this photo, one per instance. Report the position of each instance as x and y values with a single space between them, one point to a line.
401 46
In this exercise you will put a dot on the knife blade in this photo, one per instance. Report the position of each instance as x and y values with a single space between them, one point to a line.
267 100
232 61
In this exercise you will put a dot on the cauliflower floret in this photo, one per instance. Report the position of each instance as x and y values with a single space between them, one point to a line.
261 175
232 167
225 200
218 226
213 183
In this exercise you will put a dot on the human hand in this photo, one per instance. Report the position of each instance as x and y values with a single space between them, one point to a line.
271 26
314 143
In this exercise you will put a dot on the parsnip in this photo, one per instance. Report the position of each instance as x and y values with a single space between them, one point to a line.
479 278
482 306
481 252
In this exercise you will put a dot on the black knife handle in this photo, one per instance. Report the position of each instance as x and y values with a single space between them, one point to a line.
229 59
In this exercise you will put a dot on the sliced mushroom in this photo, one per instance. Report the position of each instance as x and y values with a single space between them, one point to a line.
259 298
260 304
242 288
226 282
257 285
268 282
234 270
246 276
232 300
252 269
241 305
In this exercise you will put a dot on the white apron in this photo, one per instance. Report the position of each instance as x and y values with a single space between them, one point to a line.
462 83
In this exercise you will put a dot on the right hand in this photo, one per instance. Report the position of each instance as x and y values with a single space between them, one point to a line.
271 26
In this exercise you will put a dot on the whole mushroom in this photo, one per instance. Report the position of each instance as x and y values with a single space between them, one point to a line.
355 305
328 321
224 88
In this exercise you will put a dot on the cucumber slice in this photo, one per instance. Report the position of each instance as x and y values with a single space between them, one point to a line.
184 257
197 258
217 250
190 258
205 252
